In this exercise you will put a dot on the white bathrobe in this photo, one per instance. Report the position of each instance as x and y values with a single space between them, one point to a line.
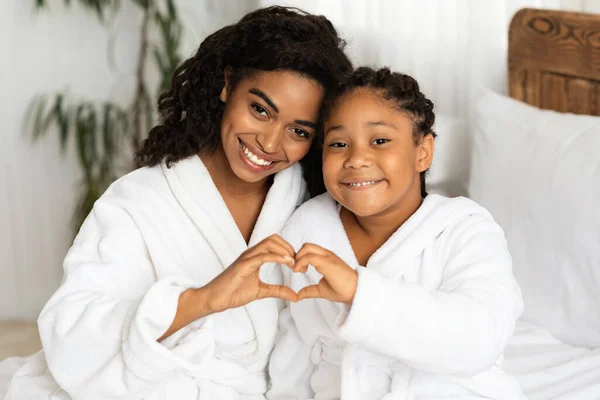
155 233
433 311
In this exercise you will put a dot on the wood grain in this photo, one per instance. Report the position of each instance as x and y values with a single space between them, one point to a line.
554 60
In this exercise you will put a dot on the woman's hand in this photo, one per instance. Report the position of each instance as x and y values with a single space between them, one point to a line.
237 286
339 279
240 284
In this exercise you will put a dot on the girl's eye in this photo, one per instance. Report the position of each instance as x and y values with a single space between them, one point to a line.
338 145
260 110
301 133
380 141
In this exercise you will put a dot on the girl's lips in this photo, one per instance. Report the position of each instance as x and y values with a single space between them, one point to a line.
361 184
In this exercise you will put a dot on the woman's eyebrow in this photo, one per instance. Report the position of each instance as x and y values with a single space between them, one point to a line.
262 95
308 124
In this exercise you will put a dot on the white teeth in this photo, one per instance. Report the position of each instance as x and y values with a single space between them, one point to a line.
254 158
362 183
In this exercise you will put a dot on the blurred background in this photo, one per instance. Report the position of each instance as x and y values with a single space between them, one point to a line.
82 77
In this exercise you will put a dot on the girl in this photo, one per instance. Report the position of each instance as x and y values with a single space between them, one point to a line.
158 297
410 296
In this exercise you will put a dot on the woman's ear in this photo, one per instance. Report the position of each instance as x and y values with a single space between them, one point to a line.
225 91
425 153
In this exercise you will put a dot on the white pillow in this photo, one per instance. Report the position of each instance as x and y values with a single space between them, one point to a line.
538 173
449 171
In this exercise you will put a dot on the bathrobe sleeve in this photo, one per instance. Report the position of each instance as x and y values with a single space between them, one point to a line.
99 330
460 328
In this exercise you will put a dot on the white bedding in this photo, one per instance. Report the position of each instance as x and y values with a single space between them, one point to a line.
8 368
545 368
548 369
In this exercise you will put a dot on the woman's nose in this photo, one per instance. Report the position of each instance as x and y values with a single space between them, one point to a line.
270 140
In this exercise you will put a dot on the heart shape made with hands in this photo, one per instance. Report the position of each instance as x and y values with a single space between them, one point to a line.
331 278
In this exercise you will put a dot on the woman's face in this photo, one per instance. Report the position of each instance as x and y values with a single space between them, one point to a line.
269 122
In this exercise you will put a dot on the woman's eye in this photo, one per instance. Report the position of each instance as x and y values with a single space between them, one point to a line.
301 133
380 141
260 110
338 145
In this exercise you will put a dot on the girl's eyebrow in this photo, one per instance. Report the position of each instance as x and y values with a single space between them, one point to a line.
368 123
380 123
335 128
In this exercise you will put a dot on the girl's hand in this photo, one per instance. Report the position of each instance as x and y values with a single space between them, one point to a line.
339 279
240 284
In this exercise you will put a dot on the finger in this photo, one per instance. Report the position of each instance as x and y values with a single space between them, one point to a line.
255 262
311 248
271 247
319 262
309 292
278 239
278 291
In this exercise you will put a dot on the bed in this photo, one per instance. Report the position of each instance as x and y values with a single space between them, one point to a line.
553 64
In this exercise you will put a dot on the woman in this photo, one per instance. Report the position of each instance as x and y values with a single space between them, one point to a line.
159 294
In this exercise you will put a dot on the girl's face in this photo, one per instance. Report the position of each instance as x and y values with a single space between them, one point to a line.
269 122
371 164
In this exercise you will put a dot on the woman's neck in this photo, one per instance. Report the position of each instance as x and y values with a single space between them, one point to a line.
226 181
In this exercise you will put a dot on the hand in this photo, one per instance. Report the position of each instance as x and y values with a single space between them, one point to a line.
339 279
240 284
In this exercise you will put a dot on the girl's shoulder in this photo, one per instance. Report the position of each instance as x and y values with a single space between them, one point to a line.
314 209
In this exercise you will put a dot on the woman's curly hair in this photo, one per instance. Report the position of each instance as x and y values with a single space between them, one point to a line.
401 90
272 38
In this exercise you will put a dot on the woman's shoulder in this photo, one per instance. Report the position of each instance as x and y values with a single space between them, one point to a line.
139 183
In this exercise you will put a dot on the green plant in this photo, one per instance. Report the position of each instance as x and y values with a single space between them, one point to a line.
107 134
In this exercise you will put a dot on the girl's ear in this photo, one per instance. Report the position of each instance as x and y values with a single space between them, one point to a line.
425 153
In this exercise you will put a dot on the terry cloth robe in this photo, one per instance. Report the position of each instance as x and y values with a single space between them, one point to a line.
154 234
432 313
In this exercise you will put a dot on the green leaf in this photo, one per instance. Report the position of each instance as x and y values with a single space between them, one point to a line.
171 8
62 119
85 131
166 55
87 197
149 109
159 61
99 7
142 3
108 132
39 106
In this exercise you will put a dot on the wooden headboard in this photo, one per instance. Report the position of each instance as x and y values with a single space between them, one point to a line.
554 60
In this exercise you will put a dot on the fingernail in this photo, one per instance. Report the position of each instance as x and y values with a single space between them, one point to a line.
290 259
